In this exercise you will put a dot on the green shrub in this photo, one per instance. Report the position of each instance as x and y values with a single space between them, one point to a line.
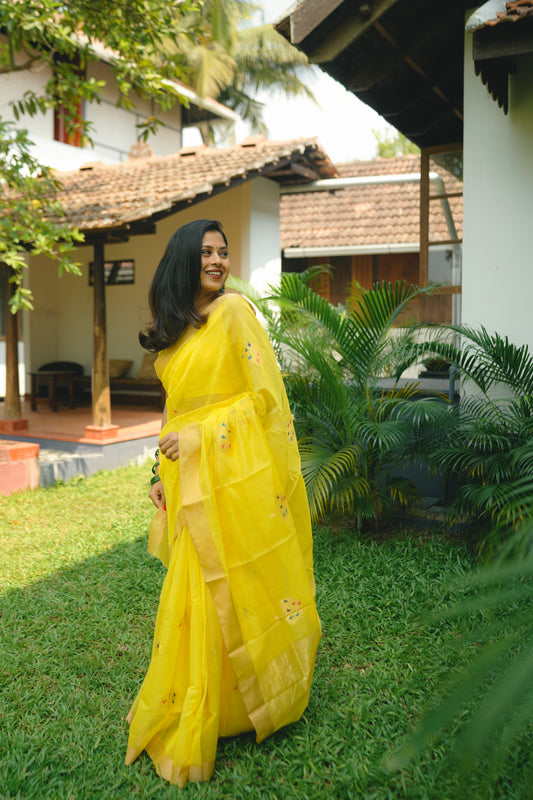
355 437
488 444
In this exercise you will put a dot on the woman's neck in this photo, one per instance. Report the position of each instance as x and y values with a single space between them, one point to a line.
203 303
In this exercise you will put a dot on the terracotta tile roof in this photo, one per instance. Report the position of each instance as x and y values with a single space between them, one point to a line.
113 196
380 166
515 10
365 215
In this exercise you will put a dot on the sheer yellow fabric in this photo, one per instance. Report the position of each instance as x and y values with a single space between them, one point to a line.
237 627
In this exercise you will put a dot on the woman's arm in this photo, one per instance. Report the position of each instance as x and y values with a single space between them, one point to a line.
157 491
169 445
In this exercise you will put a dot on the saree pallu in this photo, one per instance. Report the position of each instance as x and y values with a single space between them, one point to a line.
237 627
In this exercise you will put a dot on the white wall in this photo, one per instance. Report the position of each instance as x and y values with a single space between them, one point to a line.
498 205
263 247
13 85
114 129
22 372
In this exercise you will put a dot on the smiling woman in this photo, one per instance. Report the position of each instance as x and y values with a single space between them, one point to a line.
237 627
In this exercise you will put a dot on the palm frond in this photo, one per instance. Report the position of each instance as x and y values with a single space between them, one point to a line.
211 68
266 61
384 435
247 107
466 361
367 340
379 308
324 474
293 294
488 360
403 492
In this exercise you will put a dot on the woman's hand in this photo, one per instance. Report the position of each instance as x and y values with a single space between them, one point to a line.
169 446
157 495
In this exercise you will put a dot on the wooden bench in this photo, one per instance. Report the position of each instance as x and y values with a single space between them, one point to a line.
130 390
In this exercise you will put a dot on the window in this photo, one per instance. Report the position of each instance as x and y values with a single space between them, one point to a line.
115 272
72 135
61 134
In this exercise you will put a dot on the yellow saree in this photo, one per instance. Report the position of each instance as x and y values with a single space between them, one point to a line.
237 627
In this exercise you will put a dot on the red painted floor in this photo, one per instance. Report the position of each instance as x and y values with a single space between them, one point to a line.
68 425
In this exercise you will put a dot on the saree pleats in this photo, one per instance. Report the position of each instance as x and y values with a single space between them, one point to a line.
237 627
189 681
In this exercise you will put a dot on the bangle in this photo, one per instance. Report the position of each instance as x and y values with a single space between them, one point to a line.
156 454
156 464
154 479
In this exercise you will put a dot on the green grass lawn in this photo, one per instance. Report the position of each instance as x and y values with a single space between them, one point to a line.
78 599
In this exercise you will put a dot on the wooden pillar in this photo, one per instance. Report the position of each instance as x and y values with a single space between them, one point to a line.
424 218
425 307
101 398
12 408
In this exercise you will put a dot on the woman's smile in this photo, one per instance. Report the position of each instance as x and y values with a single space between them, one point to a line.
215 266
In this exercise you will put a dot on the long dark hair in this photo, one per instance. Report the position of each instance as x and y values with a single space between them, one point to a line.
176 284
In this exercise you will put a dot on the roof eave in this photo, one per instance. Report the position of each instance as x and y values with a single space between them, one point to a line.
365 47
325 251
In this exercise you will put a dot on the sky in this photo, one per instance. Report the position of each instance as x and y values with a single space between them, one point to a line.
342 123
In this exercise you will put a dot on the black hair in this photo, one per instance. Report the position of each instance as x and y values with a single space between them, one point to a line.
176 285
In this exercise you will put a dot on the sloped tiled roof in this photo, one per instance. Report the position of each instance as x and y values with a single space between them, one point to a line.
105 197
364 215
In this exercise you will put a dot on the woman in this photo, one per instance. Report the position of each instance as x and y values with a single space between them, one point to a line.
237 627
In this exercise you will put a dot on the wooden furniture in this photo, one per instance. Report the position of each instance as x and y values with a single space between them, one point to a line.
130 390
53 377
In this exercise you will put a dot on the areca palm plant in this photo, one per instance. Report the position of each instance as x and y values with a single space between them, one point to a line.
488 443
355 435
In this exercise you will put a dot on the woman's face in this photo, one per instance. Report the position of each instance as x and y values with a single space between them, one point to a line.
215 265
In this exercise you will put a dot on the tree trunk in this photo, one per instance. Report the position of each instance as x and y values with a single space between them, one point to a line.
206 132
12 407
